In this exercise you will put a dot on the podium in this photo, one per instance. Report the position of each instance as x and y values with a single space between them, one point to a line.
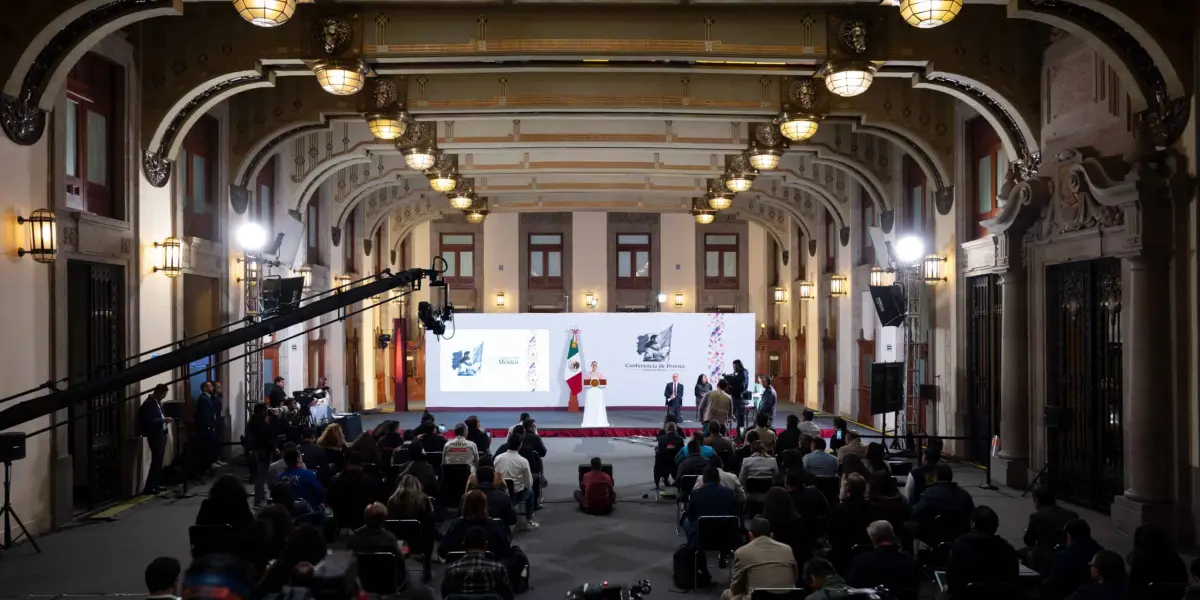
595 413
573 401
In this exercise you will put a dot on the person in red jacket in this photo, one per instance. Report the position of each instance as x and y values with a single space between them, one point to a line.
597 495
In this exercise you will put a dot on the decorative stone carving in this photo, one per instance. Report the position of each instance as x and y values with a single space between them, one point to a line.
844 236
812 248
383 93
392 258
22 121
367 245
239 199
803 94
335 234
737 163
1084 196
1165 121
785 257
943 200
418 133
333 35
853 36
887 220
70 237
157 168
768 134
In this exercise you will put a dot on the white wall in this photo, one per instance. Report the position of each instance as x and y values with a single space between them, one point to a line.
677 257
501 268
756 249
589 259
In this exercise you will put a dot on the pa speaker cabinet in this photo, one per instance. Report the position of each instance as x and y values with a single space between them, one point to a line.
887 387
12 447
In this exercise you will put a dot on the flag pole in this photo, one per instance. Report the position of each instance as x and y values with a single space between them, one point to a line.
573 401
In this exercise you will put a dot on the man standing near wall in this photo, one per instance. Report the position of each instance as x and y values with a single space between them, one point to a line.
674 395
152 425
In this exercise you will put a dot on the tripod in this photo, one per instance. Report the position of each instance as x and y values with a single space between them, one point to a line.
8 511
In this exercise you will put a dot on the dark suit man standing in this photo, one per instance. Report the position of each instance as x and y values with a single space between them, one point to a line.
674 395
277 396
206 424
152 425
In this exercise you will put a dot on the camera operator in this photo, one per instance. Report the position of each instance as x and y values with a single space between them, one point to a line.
277 396
738 391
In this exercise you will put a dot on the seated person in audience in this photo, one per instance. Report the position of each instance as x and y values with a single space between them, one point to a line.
981 556
922 476
818 462
716 438
728 480
226 504
786 525
512 465
430 439
389 437
789 439
367 446
530 455
946 500
351 491
886 565
694 464
875 459
808 501
1071 567
162 578
1044 532
669 444
303 482
1108 579
760 463
851 466
711 499
808 425
886 502
418 466
283 496
475 573
705 451
313 455
820 576
1193 590
847 523
853 445
278 528
766 434
597 496
460 450
372 537
410 502
1153 560
304 545
762 563
499 503
476 434
485 460
473 513
278 466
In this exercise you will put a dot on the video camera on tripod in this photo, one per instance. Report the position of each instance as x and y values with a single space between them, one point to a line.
604 591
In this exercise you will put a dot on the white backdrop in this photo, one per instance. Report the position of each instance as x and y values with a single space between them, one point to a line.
637 353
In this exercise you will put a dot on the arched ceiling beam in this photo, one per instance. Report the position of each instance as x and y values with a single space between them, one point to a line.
762 202
859 171
795 181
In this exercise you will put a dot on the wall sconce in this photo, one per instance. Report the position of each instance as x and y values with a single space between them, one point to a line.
785 331
678 299
662 297
933 269
808 291
500 299
839 286
43 236
591 300
881 277
306 274
780 295
343 280
172 257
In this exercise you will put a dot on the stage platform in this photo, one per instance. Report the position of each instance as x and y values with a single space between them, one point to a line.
557 423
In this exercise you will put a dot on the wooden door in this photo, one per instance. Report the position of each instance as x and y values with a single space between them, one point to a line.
866 358
353 370
316 362
801 369
829 375
399 364
983 366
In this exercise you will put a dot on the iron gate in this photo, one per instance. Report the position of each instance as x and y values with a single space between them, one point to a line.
984 365
102 316
1083 404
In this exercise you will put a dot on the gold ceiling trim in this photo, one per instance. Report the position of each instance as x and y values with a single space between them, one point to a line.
656 102
589 46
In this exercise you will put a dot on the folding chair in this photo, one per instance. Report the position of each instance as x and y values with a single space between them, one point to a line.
685 485
1165 591
756 488
996 591
435 461
211 539
472 597
378 572
454 483
778 594
717 534
412 534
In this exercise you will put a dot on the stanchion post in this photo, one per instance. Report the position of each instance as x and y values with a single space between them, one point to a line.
987 483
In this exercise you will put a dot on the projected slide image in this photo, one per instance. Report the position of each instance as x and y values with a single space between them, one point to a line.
495 360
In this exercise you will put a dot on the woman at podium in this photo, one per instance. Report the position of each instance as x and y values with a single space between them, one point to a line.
594 412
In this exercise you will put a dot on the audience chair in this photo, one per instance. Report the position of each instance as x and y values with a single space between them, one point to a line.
454 483
717 534
373 470
778 594
378 573
456 555
1165 591
435 461
992 591
212 539
473 597
512 491
829 487
685 485
412 534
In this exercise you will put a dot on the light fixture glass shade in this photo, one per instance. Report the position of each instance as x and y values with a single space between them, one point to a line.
306 274
927 14
42 231
679 299
705 218
419 159
341 78
780 295
476 217
500 299
798 128
764 161
839 286
265 13
849 79
443 182
590 300
662 297
720 201
807 290
881 277
461 201
933 269
172 257
387 126
739 182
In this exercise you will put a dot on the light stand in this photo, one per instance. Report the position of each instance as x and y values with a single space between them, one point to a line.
252 375
9 512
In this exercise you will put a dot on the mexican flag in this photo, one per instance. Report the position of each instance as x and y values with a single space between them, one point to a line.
574 370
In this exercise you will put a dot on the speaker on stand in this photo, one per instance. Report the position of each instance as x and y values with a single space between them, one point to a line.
12 449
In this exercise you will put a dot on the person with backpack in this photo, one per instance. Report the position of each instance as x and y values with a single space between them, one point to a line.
820 575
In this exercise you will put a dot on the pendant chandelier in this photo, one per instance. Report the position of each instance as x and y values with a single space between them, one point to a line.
341 77
739 182
461 200
927 14
443 182
719 201
265 13
850 78
765 159
387 126
420 158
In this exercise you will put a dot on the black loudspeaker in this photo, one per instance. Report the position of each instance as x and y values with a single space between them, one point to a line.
889 304
12 447
929 392
887 387
1053 416
605 467
351 424
175 409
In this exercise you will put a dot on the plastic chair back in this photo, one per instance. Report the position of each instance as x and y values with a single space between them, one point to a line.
410 532
718 533
686 484
758 485
212 539
992 591
377 572
454 483
778 594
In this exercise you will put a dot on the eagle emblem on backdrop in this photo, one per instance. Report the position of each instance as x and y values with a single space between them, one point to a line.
466 363
655 347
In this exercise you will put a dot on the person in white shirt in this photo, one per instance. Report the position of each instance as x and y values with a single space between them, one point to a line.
728 480
808 427
511 465
460 450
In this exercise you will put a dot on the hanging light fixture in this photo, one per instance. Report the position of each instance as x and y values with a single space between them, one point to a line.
172 257
850 78
799 121
766 147
881 277
461 200
705 218
839 286
765 159
420 158
265 13
341 77
807 290
443 182
387 126
719 201
927 14
739 182
798 127
476 214
933 269
739 174
43 236
383 107
780 295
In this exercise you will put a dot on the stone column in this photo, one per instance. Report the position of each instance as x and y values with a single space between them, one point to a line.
1010 466
1147 404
